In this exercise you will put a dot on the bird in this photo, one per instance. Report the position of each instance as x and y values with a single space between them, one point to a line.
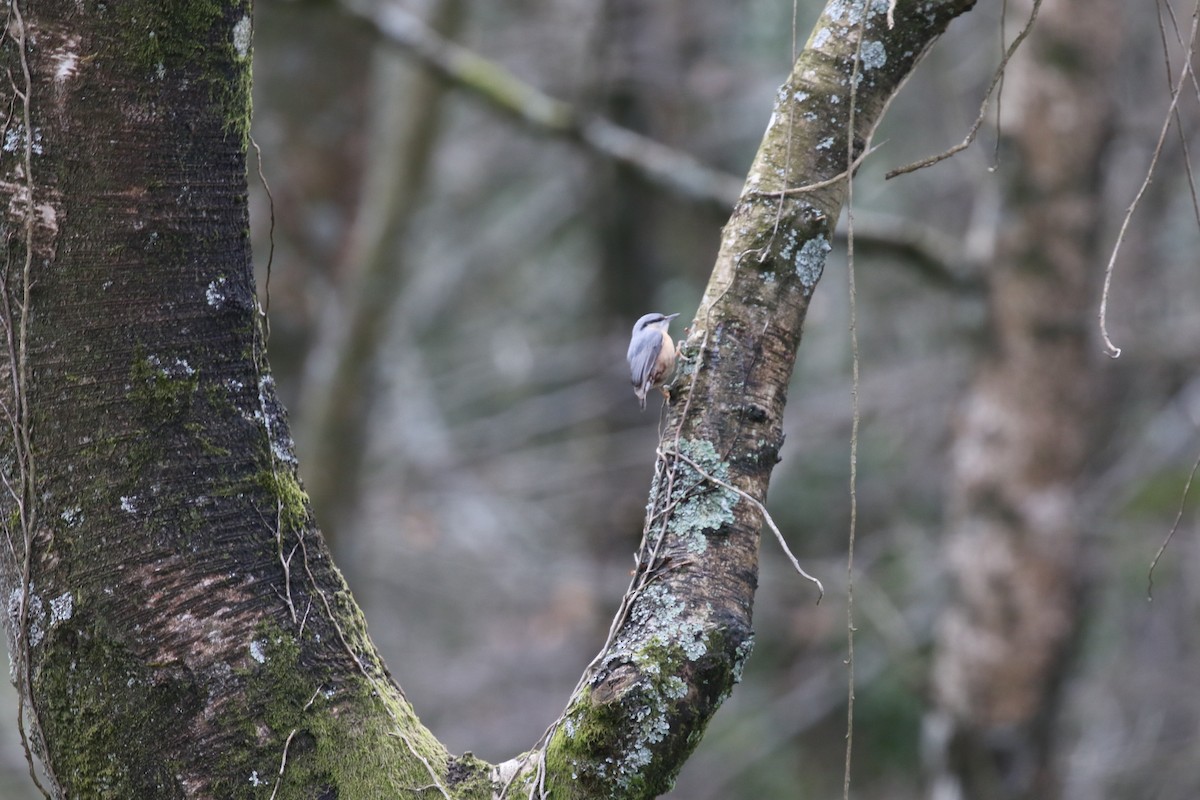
651 353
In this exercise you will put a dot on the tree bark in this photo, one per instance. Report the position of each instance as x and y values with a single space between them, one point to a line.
1013 544
179 627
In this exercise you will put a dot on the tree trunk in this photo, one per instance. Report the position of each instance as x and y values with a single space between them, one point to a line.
1013 545
179 629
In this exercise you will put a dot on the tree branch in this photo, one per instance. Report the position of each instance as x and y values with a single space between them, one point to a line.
493 84
683 633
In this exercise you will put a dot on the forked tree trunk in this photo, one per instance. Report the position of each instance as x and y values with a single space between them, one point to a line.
1013 544
179 628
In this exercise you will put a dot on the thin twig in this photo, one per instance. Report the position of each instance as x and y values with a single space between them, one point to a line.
270 240
1179 127
1179 120
288 743
761 509
812 187
283 762
1187 488
1000 90
974 131
1110 349
855 416
428 767
20 372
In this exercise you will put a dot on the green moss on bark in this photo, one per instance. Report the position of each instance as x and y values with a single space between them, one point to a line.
342 739
292 501
596 752
205 38
95 691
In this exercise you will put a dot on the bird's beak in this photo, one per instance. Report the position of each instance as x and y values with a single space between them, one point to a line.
672 316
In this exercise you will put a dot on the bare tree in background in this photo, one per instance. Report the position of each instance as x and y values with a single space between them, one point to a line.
1026 430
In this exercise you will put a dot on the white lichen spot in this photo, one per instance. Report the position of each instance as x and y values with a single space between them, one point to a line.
825 143
62 608
820 38
255 780
740 655
810 261
241 37
129 504
851 10
257 652
179 369
873 55
65 65
35 613
49 216
72 516
701 506
14 140
215 294
283 447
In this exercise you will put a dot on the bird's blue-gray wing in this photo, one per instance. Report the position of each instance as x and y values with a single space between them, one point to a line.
643 352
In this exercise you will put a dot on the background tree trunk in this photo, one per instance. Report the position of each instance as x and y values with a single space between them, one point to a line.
1026 428
343 386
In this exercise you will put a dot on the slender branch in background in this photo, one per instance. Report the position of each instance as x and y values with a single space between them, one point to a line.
1179 126
1110 349
996 79
1187 489
344 370
917 246
653 161
499 88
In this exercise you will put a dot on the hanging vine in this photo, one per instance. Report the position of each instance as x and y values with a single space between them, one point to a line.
16 282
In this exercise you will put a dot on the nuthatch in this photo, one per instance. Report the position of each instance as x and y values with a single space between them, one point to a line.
651 354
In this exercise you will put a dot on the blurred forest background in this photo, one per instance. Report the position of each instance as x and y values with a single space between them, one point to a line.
451 293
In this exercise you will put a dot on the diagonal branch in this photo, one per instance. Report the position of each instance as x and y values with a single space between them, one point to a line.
493 84
679 642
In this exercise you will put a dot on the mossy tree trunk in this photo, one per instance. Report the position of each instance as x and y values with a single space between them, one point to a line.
182 627
179 627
